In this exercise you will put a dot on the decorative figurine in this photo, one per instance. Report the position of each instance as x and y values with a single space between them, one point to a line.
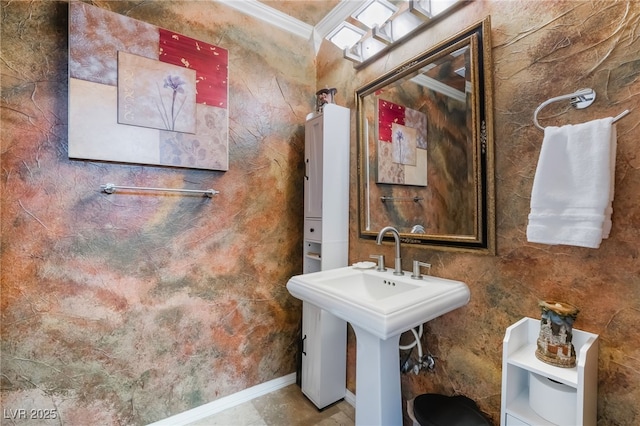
325 96
556 332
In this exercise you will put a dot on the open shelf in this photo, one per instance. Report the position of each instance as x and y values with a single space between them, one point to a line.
520 409
525 358
519 363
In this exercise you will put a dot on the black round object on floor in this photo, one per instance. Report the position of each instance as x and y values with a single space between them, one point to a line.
431 409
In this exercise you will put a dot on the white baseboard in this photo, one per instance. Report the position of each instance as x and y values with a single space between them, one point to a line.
350 398
230 401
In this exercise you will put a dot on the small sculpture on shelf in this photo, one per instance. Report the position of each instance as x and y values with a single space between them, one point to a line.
554 344
325 96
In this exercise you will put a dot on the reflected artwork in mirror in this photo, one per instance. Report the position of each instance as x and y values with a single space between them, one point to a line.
425 147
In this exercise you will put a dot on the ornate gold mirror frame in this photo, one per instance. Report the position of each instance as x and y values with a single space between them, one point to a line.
425 147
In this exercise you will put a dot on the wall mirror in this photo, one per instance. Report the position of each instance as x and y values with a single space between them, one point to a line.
425 147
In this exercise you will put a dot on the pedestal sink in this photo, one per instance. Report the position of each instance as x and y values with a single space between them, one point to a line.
380 306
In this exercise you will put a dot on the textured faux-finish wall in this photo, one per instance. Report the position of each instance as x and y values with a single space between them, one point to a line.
129 308
541 49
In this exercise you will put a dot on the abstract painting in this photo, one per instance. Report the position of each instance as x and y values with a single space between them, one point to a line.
154 94
402 145
143 94
404 142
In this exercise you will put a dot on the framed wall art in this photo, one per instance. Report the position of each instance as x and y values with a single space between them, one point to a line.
143 94
402 144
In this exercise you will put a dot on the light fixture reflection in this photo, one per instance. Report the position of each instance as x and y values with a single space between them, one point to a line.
365 49
439 6
421 8
430 8
389 25
398 27
374 13
345 35
371 47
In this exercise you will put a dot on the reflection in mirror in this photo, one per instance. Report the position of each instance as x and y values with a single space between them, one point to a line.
426 147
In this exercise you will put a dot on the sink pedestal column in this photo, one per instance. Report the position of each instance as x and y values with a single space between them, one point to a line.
378 396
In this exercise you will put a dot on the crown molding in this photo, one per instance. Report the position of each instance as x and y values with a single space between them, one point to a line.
342 11
316 34
438 86
272 16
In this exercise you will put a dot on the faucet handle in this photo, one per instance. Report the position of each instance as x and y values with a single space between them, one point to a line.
416 269
380 258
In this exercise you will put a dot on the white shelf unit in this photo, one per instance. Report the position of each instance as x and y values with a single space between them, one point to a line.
325 246
579 384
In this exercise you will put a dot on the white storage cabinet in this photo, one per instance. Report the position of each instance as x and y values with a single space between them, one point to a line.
326 241
540 394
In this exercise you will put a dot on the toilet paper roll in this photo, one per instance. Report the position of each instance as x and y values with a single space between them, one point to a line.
553 401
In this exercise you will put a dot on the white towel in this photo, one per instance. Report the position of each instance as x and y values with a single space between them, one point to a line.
573 185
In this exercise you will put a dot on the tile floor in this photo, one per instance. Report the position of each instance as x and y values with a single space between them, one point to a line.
286 406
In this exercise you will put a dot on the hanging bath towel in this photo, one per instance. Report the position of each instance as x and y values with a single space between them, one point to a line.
573 185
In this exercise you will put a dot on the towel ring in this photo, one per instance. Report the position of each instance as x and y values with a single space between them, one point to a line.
579 100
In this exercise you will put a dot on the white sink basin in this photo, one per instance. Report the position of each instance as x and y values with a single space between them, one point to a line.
379 302
380 306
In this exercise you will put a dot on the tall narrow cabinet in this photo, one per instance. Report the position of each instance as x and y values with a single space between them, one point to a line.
326 240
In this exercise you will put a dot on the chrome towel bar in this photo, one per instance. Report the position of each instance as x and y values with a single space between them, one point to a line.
110 188
386 198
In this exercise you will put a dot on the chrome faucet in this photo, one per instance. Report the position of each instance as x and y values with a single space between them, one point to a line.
396 237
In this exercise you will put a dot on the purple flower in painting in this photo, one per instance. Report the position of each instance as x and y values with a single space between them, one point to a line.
399 136
175 83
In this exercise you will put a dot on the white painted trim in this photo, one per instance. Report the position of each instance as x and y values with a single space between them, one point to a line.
272 16
438 86
350 398
316 34
342 11
230 401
